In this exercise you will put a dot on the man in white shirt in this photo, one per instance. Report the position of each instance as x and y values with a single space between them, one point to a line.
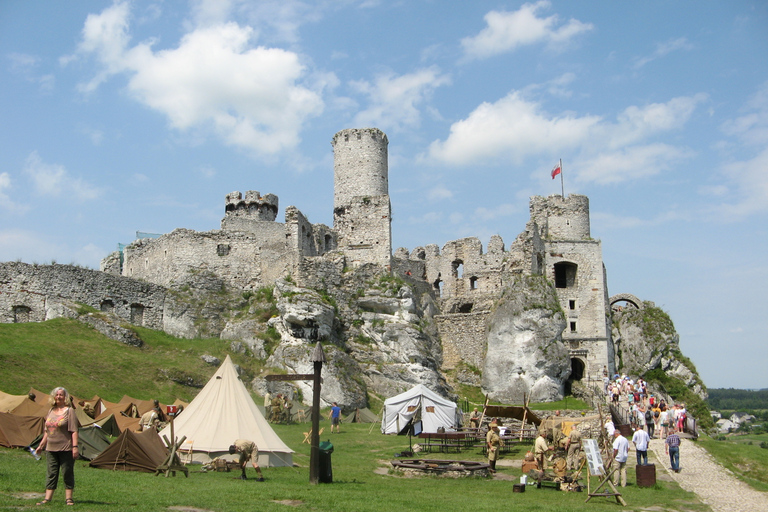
609 428
620 455
641 439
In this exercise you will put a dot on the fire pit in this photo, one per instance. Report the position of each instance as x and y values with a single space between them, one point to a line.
442 468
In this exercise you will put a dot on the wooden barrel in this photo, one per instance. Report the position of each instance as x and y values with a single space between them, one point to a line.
646 475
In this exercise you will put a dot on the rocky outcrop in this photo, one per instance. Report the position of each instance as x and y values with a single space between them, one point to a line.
646 340
525 351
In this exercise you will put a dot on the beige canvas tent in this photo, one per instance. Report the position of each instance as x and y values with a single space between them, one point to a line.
222 412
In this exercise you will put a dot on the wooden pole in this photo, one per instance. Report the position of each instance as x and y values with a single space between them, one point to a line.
318 357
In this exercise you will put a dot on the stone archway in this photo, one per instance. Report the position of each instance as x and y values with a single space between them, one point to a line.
578 372
626 297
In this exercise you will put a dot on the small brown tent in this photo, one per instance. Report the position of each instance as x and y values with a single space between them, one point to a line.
19 431
133 452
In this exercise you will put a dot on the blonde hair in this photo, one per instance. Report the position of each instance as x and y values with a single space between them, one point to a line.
52 398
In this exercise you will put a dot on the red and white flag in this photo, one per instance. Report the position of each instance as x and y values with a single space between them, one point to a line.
556 171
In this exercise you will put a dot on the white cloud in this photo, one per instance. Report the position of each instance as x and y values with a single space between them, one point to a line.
512 128
747 179
439 193
662 49
251 96
632 162
505 31
25 65
6 202
487 214
54 180
395 99
26 246
515 128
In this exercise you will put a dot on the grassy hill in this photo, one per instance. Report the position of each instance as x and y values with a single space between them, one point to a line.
68 353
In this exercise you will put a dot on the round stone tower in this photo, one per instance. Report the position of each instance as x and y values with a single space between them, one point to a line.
360 165
561 218
362 214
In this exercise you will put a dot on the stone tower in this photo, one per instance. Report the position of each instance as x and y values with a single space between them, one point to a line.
361 209
574 262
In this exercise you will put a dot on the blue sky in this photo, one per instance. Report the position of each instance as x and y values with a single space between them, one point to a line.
141 116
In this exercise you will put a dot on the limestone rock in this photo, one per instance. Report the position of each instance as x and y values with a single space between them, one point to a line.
525 352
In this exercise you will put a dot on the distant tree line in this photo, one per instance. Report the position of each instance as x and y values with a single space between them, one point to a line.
737 399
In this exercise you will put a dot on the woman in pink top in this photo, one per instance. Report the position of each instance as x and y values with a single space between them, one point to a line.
60 445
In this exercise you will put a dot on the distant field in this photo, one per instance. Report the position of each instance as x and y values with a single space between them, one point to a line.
742 455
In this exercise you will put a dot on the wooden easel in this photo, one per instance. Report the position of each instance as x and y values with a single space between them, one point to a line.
172 463
605 494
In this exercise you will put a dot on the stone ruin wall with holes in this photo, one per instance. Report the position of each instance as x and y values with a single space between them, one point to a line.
35 293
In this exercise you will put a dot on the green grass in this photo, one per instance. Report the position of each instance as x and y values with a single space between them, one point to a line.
68 353
356 487
742 455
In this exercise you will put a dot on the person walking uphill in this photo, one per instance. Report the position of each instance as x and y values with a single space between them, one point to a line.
672 447
247 450
620 455
60 445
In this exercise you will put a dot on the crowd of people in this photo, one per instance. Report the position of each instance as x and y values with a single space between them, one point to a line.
650 417
659 418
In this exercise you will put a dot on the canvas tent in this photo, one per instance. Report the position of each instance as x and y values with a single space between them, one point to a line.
222 412
364 415
92 440
419 403
19 431
133 451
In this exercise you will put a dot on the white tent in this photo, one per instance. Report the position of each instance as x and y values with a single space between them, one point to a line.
422 403
222 412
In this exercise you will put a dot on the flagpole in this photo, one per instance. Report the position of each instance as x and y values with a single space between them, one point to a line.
562 186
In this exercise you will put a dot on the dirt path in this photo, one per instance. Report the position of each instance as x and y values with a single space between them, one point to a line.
712 483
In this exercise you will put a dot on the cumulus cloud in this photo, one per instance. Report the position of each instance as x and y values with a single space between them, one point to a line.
395 99
250 96
516 128
511 128
506 31
54 180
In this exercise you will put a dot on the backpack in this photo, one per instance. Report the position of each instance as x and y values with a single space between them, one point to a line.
648 417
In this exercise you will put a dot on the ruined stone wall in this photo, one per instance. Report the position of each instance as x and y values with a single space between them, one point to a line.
33 293
561 219
241 260
463 337
363 227
239 211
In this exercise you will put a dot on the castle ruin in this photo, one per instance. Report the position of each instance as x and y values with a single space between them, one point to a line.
252 250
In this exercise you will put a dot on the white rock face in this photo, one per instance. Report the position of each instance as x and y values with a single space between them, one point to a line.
525 351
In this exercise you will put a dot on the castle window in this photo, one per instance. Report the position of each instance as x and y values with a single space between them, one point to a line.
438 285
466 308
571 304
223 249
473 283
21 314
107 306
573 326
565 274
328 242
458 269
137 314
